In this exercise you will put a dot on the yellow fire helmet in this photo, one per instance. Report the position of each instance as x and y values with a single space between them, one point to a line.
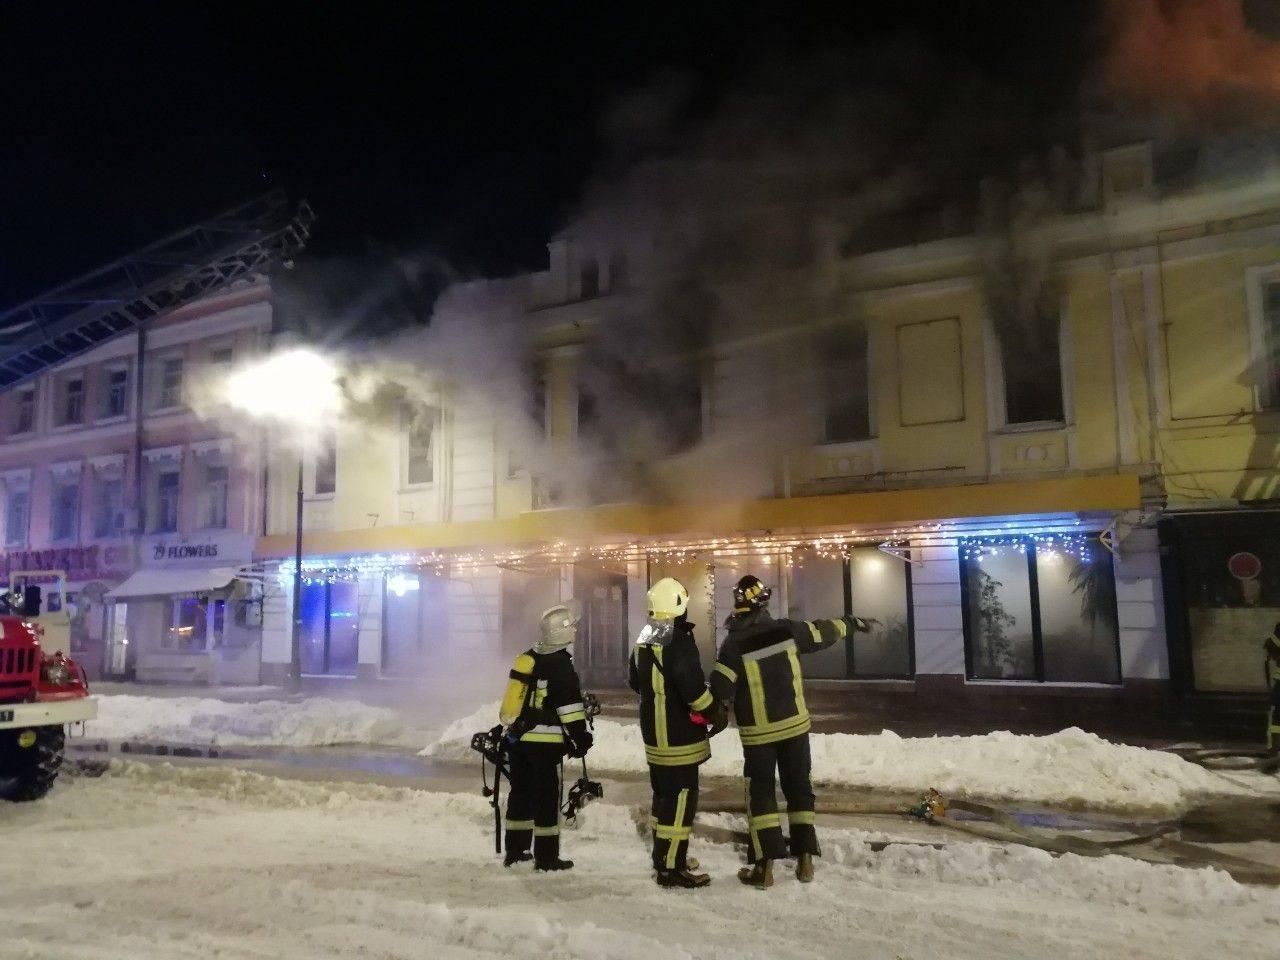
668 599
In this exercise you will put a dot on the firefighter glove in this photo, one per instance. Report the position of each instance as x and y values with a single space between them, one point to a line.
580 743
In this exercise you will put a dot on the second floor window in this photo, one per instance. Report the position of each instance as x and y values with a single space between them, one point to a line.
170 392
420 461
1033 375
325 480
846 408
116 401
17 514
108 506
73 401
24 420
65 513
164 513
1271 341
213 506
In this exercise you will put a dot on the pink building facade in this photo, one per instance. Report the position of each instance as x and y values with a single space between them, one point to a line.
108 474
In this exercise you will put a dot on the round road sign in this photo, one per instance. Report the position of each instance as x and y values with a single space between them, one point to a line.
1244 566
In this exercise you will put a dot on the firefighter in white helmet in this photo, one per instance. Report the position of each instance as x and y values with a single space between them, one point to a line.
676 709
544 718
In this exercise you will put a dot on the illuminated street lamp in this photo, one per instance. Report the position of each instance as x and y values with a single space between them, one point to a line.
296 389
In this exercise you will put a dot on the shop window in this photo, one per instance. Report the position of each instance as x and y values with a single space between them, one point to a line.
846 412
115 401
166 501
1040 612
17 516
870 584
188 625
196 623
1271 343
64 514
108 504
1228 580
414 619
72 411
330 628
24 420
324 479
213 498
420 427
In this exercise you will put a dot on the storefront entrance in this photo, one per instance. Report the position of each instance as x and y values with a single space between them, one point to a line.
330 628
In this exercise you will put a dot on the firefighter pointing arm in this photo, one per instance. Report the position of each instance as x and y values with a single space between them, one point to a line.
758 669
545 718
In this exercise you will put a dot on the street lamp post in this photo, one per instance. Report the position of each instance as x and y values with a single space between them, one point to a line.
295 638
295 388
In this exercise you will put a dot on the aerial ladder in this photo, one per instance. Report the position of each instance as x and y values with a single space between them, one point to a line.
124 295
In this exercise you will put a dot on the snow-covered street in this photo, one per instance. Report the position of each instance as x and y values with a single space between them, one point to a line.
153 861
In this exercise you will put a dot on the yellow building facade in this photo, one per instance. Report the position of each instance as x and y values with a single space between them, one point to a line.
1079 537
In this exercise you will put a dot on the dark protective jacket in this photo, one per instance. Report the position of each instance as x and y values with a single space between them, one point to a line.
758 668
671 684
544 698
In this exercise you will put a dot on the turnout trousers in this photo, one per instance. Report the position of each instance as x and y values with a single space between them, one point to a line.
533 805
789 759
675 801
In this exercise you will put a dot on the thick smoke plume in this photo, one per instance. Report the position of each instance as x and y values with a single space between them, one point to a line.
1212 60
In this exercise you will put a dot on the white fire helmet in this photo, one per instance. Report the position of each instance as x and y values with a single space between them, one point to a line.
559 627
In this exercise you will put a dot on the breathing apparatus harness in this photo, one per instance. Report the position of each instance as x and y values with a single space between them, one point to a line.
494 747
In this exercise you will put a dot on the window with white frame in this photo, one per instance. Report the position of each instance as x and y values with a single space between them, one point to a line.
618 277
419 439
108 501
17 511
221 358
115 394
213 497
64 508
169 383
72 401
24 413
166 489
846 395
324 473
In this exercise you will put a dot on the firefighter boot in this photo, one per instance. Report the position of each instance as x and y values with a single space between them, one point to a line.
804 868
516 856
759 876
685 879
552 865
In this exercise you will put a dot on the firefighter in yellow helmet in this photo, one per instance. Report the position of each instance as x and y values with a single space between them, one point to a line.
758 668
675 710
544 718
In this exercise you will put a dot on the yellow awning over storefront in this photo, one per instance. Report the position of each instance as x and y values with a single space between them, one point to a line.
898 510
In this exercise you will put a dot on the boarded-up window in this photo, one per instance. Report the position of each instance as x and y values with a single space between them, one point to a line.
930 372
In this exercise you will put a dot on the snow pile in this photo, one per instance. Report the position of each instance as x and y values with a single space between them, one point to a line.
312 722
152 862
1070 768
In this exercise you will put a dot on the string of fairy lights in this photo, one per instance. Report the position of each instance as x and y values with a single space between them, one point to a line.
1065 537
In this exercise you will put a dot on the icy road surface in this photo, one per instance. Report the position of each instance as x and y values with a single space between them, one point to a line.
153 861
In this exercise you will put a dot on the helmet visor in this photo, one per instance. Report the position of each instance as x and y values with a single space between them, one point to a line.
656 633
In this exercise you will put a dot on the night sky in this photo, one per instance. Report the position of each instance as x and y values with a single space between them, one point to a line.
464 130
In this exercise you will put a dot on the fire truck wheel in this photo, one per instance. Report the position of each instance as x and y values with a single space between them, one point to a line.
27 772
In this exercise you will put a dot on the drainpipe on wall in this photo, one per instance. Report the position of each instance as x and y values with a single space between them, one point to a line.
139 436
